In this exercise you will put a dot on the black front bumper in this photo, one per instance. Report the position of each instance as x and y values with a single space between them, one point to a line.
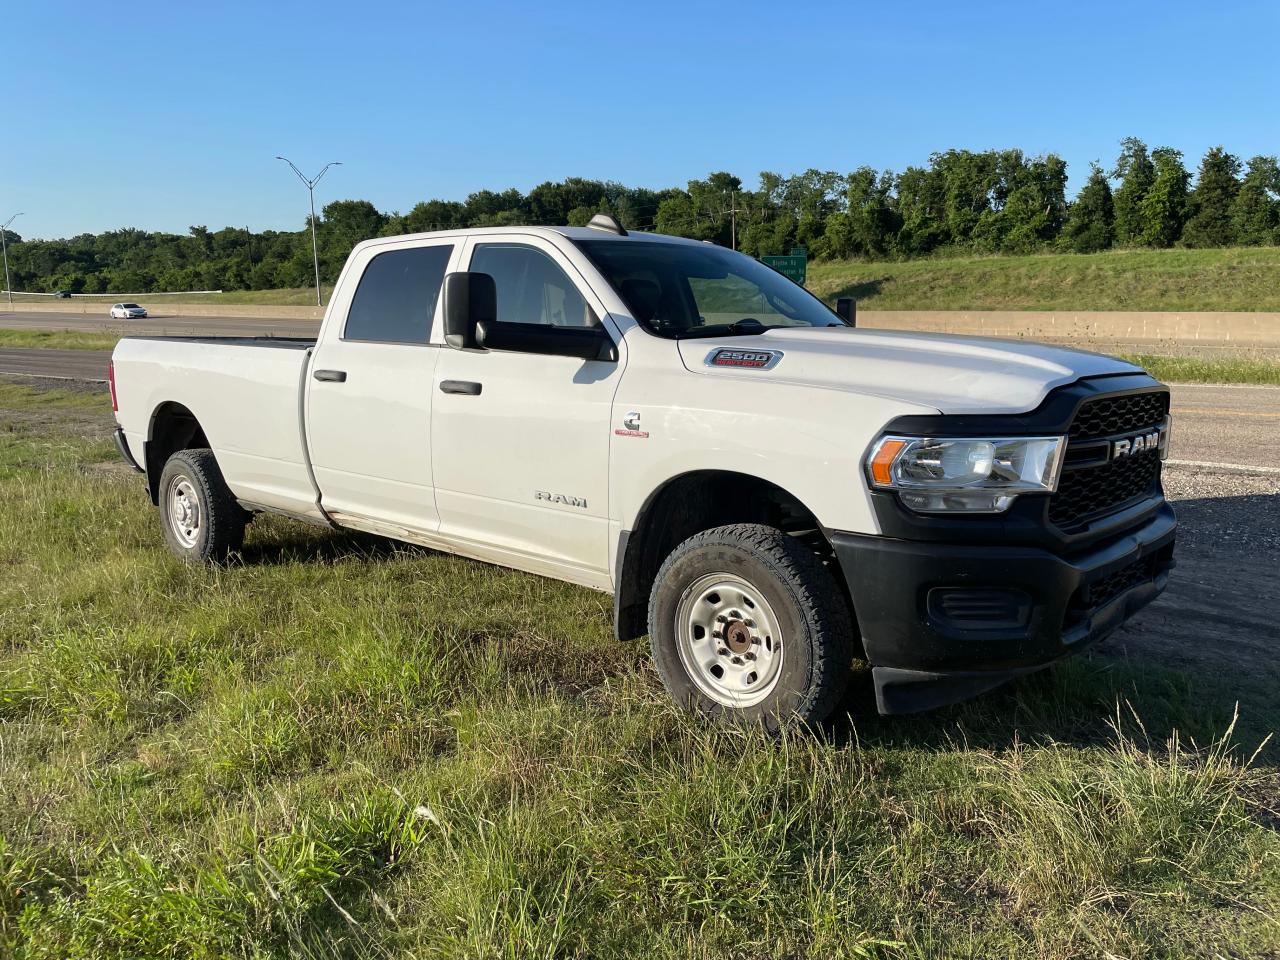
942 621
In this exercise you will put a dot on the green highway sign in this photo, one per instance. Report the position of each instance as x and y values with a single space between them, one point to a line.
793 266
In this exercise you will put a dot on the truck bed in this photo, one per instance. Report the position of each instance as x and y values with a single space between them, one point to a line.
247 401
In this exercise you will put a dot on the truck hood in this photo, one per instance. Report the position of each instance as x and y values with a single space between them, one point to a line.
950 374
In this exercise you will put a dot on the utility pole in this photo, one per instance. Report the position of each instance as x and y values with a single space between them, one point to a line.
5 247
311 191
733 220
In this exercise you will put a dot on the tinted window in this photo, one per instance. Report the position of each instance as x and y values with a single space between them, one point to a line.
530 287
396 298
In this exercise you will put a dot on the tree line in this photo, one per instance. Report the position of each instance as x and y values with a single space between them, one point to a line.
994 201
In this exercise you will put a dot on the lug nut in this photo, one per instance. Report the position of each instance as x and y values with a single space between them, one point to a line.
721 618
723 652
738 661
748 623
749 655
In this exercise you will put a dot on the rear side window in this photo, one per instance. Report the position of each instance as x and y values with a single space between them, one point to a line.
396 299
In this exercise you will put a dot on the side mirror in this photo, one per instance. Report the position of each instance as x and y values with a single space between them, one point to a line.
847 310
469 299
584 343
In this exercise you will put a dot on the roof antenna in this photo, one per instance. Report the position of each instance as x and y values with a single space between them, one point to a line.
603 221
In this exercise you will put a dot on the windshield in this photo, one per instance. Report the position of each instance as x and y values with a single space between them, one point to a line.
683 290
128 306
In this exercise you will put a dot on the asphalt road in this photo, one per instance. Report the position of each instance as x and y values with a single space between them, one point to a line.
159 325
62 364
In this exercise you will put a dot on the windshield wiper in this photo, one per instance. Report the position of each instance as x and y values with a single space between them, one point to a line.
746 327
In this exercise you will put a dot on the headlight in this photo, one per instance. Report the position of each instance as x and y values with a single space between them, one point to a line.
965 474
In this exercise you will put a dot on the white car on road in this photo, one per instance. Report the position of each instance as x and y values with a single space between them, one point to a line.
128 311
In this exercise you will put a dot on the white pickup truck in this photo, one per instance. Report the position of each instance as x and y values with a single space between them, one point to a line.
766 491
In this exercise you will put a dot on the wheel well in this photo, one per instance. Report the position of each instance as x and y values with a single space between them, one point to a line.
173 428
687 505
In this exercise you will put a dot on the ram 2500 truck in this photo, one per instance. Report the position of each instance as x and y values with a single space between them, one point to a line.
765 490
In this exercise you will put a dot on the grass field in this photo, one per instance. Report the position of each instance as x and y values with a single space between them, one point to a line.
341 747
1233 279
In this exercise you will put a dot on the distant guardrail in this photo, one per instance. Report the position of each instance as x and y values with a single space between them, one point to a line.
110 296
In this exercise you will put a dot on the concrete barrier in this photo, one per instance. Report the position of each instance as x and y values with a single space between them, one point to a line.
1236 329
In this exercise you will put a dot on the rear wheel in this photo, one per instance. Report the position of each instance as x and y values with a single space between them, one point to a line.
201 519
745 622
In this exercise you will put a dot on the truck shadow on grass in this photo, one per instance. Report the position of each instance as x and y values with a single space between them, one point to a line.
862 290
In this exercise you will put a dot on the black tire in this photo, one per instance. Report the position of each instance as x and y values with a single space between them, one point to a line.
192 476
799 593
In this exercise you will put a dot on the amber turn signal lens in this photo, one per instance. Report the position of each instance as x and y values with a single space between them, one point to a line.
882 462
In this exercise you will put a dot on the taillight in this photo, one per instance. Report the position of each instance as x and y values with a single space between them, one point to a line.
111 381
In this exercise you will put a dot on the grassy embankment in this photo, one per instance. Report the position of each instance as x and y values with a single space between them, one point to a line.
339 746
288 296
1241 279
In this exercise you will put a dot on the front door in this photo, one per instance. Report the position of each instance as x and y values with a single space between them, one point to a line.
520 442
371 390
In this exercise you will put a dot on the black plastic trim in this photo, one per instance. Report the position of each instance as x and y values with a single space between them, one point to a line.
889 581
122 445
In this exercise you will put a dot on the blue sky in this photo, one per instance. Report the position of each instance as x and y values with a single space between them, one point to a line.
163 115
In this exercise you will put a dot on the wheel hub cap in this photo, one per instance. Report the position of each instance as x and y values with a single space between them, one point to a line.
184 511
728 639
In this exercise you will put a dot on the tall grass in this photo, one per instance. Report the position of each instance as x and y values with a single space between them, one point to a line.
337 746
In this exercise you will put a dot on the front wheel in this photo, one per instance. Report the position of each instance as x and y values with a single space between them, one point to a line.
745 622
201 519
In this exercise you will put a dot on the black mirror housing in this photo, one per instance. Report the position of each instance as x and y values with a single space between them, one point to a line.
584 343
469 300
847 310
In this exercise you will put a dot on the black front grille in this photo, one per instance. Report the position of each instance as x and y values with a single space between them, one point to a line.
1092 485
1092 492
1101 592
1092 597
1108 416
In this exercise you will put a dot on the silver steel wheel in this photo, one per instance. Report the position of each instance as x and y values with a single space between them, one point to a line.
184 510
728 640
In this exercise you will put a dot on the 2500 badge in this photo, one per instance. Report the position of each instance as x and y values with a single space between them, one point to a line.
753 359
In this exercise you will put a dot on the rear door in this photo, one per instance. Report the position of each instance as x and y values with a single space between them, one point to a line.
520 440
370 391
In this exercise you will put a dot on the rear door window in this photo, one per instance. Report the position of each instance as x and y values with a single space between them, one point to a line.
395 301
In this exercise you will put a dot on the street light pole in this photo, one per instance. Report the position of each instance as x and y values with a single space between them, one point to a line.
311 191
5 247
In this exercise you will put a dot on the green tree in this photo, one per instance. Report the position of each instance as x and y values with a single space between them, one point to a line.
1255 211
1136 173
1210 223
1164 208
921 198
1090 223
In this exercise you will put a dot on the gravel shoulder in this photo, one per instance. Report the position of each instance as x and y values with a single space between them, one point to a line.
1221 612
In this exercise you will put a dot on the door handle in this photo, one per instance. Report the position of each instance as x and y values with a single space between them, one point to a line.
331 376
468 388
